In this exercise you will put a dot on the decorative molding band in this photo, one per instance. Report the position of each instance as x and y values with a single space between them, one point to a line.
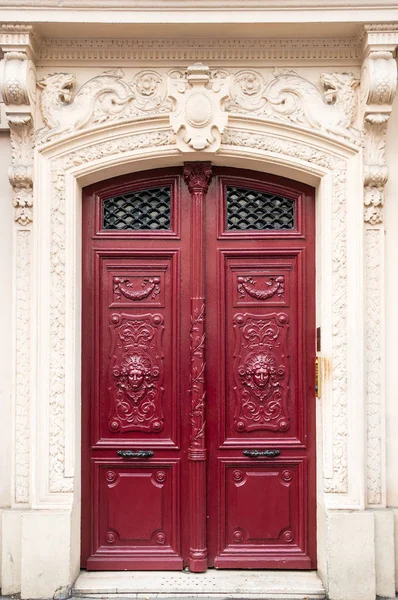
373 340
207 5
191 50
22 363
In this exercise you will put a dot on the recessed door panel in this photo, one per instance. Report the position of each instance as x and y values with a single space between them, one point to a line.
260 337
138 340
261 504
137 515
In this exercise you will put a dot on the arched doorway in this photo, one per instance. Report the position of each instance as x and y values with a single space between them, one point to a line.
198 371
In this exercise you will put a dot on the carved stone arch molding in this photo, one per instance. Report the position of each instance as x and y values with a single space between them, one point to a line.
271 120
63 166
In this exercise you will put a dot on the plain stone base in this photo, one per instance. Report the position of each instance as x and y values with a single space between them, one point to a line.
213 584
11 551
385 552
356 561
40 553
350 555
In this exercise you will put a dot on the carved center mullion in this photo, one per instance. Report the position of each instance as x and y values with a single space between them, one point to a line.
197 177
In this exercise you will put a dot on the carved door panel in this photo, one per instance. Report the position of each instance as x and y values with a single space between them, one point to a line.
136 311
261 352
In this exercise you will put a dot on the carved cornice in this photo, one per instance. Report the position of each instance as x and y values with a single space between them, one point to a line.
378 88
18 88
84 51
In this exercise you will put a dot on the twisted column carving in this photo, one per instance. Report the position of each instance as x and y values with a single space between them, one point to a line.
378 87
18 88
197 177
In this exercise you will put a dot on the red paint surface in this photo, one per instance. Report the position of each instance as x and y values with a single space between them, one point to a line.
256 390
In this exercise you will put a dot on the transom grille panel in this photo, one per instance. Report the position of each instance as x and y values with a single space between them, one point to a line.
251 209
145 210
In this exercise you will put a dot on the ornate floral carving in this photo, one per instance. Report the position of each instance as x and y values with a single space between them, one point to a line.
276 286
198 118
22 378
261 372
21 172
136 391
373 340
197 389
288 97
123 287
107 97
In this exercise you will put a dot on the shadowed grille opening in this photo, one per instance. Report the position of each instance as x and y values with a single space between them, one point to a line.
140 210
251 209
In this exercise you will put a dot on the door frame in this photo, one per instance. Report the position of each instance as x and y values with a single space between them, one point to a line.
333 167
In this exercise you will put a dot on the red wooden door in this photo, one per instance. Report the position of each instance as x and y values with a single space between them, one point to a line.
260 372
198 351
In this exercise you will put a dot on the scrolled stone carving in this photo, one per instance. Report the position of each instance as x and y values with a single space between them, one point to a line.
198 118
18 88
107 97
18 79
288 97
378 87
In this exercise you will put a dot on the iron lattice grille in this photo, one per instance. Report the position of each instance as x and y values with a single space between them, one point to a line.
251 209
140 210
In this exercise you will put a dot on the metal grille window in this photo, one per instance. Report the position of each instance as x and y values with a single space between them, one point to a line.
251 209
140 210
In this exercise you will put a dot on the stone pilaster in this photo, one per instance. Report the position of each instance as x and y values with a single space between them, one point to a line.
378 87
18 88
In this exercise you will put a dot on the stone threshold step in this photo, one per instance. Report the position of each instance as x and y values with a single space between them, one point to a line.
212 585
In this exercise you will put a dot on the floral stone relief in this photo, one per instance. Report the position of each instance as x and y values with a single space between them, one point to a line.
198 102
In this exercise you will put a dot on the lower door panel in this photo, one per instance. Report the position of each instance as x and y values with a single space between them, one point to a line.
136 515
260 520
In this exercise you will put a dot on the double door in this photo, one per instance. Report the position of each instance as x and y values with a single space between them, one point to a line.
198 435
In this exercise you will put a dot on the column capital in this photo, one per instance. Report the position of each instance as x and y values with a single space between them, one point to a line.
197 176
